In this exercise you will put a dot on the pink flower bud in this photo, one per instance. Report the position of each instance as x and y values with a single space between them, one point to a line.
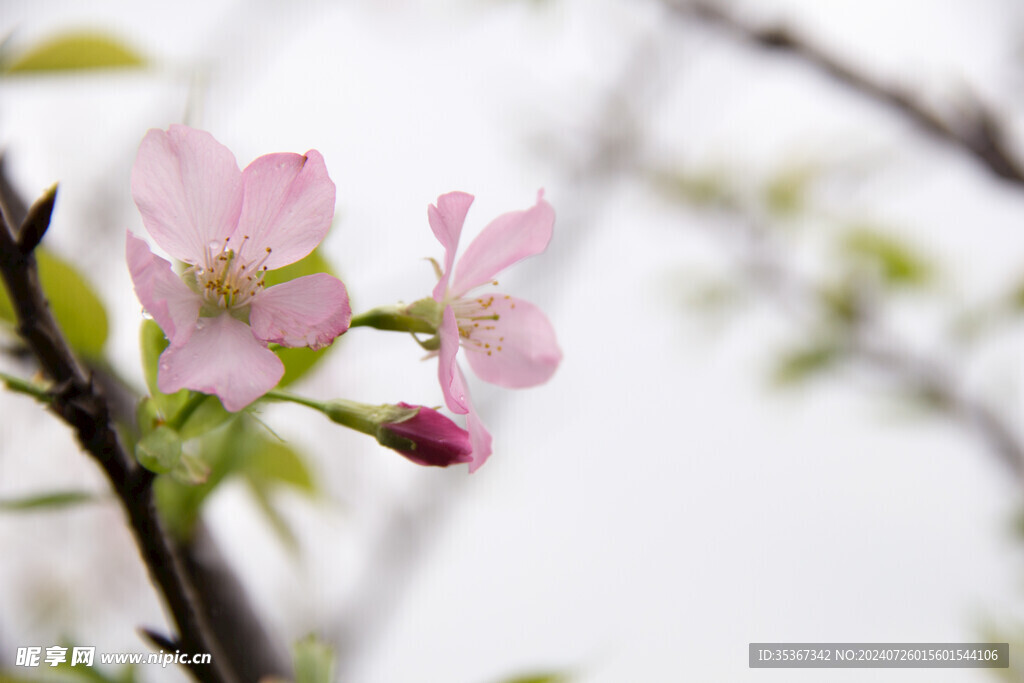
434 438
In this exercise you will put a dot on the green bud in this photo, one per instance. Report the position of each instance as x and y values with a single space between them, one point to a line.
191 470
160 450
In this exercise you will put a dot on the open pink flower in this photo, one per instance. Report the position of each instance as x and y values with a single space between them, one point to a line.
230 227
508 341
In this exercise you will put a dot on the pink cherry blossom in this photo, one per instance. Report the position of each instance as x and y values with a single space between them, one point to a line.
507 341
229 227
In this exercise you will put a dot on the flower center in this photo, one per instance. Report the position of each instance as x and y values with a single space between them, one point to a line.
224 278
478 323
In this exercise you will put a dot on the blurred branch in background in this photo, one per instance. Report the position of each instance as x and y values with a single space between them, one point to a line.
976 128
840 315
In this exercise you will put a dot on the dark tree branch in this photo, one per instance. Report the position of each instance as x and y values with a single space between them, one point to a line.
82 406
978 132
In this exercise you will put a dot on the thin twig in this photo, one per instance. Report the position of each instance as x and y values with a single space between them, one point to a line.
82 406
978 132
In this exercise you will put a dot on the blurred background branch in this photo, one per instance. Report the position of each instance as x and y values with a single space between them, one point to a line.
975 127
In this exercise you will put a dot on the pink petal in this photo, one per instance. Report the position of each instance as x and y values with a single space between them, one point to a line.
173 305
188 189
508 238
446 221
307 311
456 394
479 439
453 385
288 208
223 358
516 350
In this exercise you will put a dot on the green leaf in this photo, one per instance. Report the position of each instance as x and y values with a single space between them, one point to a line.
160 450
268 464
897 263
310 265
75 51
299 361
314 661
209 415
801 364
47 501
74 303
271 462
277 521
539 678
785 194
705 189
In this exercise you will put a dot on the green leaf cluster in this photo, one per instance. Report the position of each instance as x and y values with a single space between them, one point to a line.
897 263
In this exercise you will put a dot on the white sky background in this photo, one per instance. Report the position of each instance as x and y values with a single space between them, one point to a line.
653 508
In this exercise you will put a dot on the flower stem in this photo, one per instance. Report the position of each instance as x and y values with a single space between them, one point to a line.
395 318
362 417
351 414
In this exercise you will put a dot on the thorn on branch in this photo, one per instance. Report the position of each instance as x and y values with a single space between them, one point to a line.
159 640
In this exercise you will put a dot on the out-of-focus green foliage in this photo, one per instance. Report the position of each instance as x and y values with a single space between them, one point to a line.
75 305
74 51
241 448
314 661
898 264
539 678
798 365
52 500
713 296
299 361
786 192
703 189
